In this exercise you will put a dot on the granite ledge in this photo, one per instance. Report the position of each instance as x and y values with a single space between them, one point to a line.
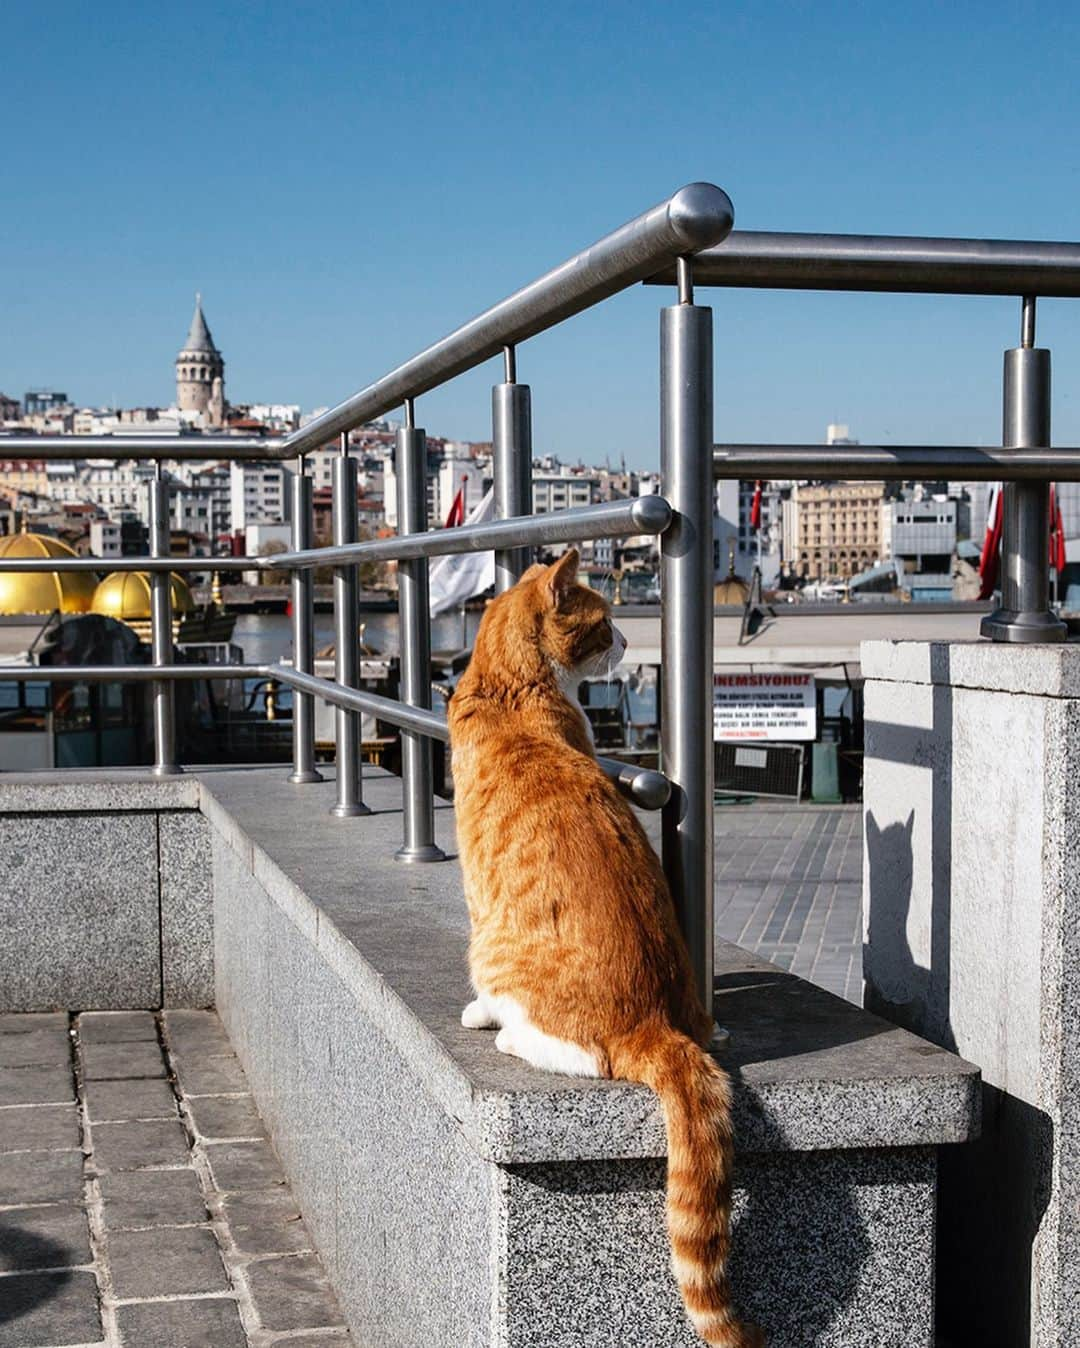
1037 670
108 790
812 1072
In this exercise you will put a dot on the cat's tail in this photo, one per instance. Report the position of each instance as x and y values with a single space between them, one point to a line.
696 1099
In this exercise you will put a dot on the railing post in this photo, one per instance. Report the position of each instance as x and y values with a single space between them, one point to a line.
686 569
346 638
303 631
1025 614
161 639
414 622
511 440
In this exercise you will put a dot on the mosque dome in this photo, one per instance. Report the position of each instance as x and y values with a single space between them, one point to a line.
126 595
42 591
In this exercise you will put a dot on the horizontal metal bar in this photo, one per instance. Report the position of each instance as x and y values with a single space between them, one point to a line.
647 789
882 262
130 673
611 519
962 463
695 217
141 447
130 563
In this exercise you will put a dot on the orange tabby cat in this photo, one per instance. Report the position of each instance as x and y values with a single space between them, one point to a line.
575 952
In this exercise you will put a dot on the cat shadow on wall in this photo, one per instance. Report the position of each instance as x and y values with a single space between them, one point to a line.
896 987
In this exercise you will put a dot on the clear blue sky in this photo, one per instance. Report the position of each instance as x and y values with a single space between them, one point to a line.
347 182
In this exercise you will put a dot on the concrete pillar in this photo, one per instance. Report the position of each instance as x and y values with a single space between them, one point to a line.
972 940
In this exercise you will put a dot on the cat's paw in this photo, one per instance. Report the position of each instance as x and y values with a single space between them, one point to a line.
476 1017
504 1042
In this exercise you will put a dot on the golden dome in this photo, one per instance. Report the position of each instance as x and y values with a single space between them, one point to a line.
730 590
42 591
126 595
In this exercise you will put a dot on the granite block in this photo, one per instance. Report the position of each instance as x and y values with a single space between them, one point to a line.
120 1101
41 1177
39 1048
187 937
108 790
47 1310
139 1198
36 1085
205 1323
130 1146
79 909
293 1293
46 1237
39 1128
184 1259
122 1061
116 1027
832 1249
218 1117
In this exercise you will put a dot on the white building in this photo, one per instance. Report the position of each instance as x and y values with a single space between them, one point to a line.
258 494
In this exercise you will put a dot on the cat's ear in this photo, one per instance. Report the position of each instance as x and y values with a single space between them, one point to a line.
534 572
562 577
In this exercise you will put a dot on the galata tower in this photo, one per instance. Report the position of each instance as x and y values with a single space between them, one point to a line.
200 373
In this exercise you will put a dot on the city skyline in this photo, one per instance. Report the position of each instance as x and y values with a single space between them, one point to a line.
336 226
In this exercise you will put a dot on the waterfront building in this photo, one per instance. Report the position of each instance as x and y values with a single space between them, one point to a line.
839 528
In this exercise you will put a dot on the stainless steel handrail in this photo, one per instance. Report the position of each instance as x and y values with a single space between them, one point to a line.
761 259
611 519
647 789
859 463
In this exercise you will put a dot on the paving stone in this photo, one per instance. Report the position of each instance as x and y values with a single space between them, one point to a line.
49 1237
177 1259
152 1198
127 1146
117 1062
201 1075
114 1101
267 1221
38 1048
225 1116
39 1128
183 1324
41 1177
36 1085
48 1310
244 1165
26 1022
196 1031
293 1293
342 1340
116 1027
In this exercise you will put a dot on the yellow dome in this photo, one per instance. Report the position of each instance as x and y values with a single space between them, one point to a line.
730 590
126 595
42 591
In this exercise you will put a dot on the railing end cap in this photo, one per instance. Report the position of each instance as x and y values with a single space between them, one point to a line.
701 215
652 514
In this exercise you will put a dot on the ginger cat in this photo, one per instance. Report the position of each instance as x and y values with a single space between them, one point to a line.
575 953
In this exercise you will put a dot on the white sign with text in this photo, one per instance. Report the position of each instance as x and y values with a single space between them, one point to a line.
781 706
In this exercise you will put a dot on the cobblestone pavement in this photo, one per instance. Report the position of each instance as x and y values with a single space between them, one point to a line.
789 887
140 1201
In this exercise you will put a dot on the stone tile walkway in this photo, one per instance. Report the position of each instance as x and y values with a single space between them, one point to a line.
789 887
141 1204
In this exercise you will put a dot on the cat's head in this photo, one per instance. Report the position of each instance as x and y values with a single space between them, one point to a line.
548 617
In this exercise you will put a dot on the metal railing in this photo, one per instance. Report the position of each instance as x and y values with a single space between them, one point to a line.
681 241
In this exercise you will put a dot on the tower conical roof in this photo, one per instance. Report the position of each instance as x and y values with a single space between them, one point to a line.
198 338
